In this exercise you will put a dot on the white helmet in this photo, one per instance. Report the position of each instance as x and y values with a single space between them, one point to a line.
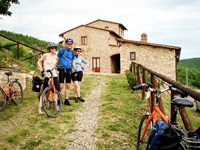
77 47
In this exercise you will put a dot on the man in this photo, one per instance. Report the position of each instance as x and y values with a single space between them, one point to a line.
67 58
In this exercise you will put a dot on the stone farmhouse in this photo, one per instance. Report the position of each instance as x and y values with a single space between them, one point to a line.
105 48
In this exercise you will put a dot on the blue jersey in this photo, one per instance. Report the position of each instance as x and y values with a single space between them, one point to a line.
78 61
66 58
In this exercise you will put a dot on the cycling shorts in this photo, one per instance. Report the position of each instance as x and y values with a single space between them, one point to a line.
65 74
56 83
77 76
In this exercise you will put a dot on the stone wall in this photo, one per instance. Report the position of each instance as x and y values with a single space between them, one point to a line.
161 60
20 75
111 26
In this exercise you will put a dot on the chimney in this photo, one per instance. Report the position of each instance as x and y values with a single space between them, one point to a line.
144 37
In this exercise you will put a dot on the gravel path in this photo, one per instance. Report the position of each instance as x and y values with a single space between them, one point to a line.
87 120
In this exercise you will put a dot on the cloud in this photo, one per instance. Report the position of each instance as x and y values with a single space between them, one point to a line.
171 22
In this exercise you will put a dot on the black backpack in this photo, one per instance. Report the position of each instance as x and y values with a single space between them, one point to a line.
163 137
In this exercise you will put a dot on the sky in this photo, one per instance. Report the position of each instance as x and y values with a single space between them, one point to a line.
169 22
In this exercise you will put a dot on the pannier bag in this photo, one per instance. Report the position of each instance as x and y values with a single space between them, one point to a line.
163 137
36 84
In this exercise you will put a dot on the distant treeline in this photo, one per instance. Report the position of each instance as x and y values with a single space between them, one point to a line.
25 39
189 69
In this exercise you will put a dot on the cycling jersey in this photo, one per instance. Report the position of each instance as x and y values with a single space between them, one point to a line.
78 61
66 58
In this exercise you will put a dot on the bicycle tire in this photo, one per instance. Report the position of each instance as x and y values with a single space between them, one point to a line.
142 145
2 99
49 106
16 92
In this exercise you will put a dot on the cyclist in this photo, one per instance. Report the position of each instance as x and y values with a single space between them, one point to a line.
49 61
78 74
67 57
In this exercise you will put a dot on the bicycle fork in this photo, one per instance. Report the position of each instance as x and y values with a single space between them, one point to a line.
146 126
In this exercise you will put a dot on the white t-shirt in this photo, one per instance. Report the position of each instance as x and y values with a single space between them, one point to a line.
49 63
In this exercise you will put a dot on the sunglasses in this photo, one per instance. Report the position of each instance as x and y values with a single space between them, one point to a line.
69 43
78 51
52 47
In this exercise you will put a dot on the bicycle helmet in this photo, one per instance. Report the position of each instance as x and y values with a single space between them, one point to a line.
77 47
69 40
52 45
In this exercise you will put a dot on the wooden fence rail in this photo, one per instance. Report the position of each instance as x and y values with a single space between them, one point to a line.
140 72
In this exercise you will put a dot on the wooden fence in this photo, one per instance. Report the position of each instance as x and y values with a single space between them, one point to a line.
140 72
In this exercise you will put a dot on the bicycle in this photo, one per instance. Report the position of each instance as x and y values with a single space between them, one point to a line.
13 91
51 97
149 119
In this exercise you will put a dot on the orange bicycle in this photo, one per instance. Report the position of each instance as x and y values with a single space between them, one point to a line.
150 118
51 98
13 92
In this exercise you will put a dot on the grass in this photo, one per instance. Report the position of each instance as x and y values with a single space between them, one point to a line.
120 113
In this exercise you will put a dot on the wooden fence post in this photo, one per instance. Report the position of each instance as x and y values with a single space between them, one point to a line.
144 80
186 120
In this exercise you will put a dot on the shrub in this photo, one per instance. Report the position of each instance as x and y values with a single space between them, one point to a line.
131 78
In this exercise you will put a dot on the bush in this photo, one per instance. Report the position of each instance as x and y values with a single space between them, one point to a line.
131 78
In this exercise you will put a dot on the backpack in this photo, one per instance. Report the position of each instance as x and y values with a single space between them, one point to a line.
36 84
163 137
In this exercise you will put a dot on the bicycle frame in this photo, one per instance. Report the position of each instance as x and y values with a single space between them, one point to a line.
154 117
8 88
51 83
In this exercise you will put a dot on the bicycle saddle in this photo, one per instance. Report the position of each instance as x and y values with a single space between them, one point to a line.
178 101
8 73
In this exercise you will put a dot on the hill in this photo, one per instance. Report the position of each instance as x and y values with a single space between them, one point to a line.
9 54
190 63
32 41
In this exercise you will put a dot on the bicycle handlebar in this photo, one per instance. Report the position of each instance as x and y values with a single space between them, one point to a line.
49 71
152 89
142 86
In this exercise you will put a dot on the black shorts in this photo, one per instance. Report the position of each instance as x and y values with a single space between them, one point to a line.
56 83
65 74
77 76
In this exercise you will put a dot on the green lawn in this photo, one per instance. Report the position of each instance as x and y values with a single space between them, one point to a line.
120 113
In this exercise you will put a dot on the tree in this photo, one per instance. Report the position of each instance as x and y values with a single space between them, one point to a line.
5 5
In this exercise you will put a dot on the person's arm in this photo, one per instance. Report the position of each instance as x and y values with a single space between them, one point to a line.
39 62
74 65
86 64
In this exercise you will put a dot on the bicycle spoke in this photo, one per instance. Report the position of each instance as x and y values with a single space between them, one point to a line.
16 92
142 143
50 104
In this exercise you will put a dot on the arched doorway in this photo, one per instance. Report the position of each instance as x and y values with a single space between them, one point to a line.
115 63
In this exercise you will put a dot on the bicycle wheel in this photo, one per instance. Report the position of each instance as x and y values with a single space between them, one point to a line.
49 100
142 145
2 99
181 146
16 92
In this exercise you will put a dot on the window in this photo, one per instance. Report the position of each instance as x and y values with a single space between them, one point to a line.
84 40
132 56
107 27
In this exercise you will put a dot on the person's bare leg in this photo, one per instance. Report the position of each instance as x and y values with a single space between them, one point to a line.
67 94
77 91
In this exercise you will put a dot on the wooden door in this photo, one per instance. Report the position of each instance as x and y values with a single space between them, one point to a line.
96 64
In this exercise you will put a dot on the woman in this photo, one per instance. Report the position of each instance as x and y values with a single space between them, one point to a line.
78 74
49 61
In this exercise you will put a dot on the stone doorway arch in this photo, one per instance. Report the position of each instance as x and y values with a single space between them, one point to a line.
115 63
